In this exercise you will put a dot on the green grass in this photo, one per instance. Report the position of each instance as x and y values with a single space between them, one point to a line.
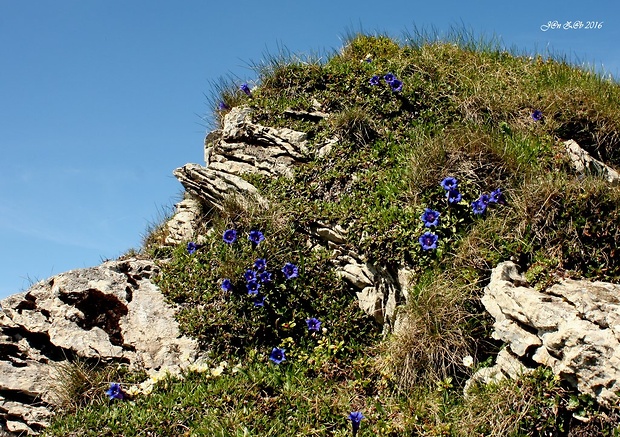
464 111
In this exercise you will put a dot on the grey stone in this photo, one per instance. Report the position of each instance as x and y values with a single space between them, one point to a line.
110 313
573 327
185 222
586 164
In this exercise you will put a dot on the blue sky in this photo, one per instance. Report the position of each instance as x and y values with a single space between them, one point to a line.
101 100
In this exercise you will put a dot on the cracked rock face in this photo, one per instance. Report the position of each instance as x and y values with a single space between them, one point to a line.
572 327
112 313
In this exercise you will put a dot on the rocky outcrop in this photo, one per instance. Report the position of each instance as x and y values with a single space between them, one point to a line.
586 165
185 222
573 327
112 313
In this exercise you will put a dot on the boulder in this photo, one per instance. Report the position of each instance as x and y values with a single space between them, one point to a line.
573 327
112 313
584 163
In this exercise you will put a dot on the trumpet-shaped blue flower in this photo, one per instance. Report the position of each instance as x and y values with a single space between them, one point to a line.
230 236
374 80
260 265
115 392
246 89
191 247
264 277
253 286
478 207
449 183
428 241
537 115
389 77
222 106
355 417
290 270
226 285
313 324
430 217
256 237
497 197
277 355
396 85
249 275
454 196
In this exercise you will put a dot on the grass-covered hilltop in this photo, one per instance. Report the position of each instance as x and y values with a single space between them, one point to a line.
438 158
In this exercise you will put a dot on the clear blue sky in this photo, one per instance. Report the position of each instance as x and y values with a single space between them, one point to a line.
101 99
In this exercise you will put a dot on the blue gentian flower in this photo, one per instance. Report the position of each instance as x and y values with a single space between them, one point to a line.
249 275
428 241
264 277
222 106
449 183
253 286
226 285
115 392
277 355
246 89
290 271
374 80
259 300
484 198
356 417
537 115
230 236
191 247
256 237
396 85
313 324
389 78
430 217
478 206
260 265
454 196
497 197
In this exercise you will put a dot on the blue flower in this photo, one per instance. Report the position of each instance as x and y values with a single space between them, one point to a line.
256 237
478 206
484 198
226 285
260 265
428 241
230 236
246 89
249 275
497 197
454 196
430 217
253 286
290 270
259 300
537 115
222 106
396 85
449 183
191 247
115 392
277 355
313 324
374 80
264 277
389 78
355 417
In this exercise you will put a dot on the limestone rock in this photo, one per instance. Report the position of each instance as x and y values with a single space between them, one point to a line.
246 147
572 327
586 164
184 224
213 186
110 313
